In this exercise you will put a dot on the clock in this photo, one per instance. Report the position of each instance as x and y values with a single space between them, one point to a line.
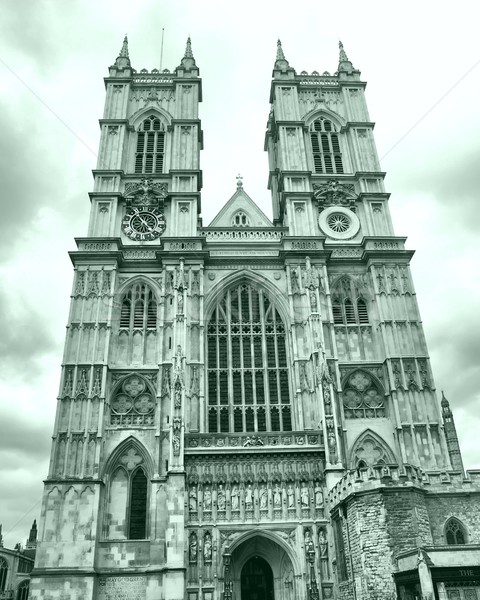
143 224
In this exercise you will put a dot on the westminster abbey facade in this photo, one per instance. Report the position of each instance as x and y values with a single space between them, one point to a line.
246 409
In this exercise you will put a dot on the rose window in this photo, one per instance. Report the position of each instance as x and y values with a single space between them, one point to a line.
133 404
338 222
361 398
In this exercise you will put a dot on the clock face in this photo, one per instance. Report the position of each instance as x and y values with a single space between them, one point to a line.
143 223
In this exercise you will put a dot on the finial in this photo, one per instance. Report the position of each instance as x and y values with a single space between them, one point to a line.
239 182
444 400
343 54
280 54
123 61
280 61
188 49
124 50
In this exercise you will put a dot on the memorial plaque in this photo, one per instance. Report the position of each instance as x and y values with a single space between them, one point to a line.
122 588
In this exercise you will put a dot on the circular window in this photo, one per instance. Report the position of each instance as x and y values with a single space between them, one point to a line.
339 223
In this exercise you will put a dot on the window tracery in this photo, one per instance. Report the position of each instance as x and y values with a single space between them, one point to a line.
455 532
324 137
240 219
128 491
349 306
3 574
248 389
133 404
362 398
22 590
150 150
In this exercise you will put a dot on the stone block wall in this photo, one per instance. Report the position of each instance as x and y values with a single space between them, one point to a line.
465 507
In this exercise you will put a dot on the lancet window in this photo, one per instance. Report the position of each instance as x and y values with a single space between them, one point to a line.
22 590
3 574
139 309
455 532
248 389
127 501
324 137
349 307
362 399
150 152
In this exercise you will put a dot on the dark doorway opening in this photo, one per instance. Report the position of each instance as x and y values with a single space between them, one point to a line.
257 580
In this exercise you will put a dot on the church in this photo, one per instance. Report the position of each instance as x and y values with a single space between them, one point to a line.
246 410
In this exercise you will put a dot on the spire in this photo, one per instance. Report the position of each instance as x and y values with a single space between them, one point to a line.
32 538
123 60
188 49
124 50
344 64
281 62
343 55
451 436
188 61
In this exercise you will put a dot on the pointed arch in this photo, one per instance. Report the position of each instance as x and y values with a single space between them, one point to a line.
349 301
140 115
130 447
370 449
3 573
248 388
455 533
128 472
133 402
318 113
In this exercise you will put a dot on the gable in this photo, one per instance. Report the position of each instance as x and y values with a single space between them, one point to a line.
242 205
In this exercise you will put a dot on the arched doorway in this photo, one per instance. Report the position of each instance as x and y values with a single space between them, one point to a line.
263 567
256 580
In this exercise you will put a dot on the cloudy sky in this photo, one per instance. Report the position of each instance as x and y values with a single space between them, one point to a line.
421 61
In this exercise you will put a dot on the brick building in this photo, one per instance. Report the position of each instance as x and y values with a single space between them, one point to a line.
246 409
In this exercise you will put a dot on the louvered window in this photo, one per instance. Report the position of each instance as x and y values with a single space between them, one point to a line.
327 156
150 152
248 388
348 306
138 309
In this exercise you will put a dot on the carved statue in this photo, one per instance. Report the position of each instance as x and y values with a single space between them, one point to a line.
221 500
309 547
193 548
290 497
277 496
192 499
263 497
318 495
207 499
305 496
322 543
234 497
207 547
249 495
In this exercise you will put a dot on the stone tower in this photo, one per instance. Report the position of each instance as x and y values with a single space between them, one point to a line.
242 406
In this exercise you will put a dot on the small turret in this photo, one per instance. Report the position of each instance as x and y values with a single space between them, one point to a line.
451 437
282 65
188 61
344 64
122 65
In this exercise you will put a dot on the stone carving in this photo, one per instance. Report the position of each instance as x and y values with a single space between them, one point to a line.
131 459
207 547
92 284
305 496
253 440
82 383
294 280
309 547
221 499
166 381
277 496
195 284
234 497
177 423
304 382
334 193
290 497
207 498
133 404
192 499
263 497
80 285
145 193
311 278
180 283
97 383
193 548
318 495
322 542
249 497
68 385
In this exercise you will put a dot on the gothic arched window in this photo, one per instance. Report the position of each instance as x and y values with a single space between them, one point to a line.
137 326
127 501
324 137
22 590
150 152
455 532
3 574
139 308
362 398
248 389
240 219
348 305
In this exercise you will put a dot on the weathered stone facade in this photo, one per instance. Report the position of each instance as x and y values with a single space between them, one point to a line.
246 409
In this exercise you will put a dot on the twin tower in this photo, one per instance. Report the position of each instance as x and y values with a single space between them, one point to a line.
246 409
